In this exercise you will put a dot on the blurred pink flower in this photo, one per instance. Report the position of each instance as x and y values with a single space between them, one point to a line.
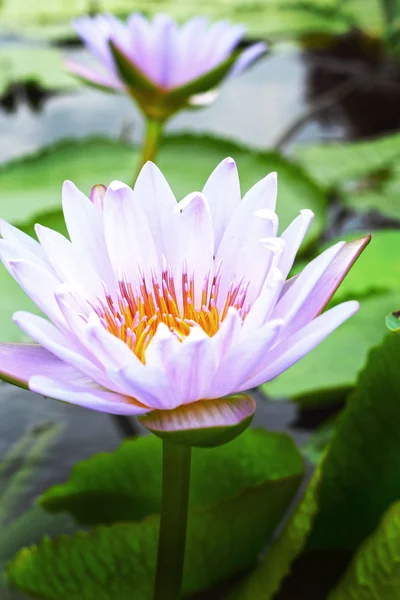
155 304
162 53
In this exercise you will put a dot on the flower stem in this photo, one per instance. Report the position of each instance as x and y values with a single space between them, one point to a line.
153 135
174 510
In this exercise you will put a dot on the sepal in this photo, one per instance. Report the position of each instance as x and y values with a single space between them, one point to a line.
205 423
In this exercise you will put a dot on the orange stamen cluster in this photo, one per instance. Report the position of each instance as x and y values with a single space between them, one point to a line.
136 314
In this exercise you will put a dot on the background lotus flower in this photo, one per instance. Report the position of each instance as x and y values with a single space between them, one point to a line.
162 66
145 55
163 308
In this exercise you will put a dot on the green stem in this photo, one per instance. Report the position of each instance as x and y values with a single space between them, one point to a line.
153 135
174 510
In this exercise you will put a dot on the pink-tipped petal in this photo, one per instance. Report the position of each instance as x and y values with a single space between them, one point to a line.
87 396
50 338
247 58
327 283
19 362
302 290
97 194
92 76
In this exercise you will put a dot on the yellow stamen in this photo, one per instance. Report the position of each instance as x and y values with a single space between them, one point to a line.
135 315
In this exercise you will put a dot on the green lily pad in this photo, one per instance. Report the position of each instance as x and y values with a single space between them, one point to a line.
237 499
375 569
126 484
360 477
382 196
337 162
33 63
277 18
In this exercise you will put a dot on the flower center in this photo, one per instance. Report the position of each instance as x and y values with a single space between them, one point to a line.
136 314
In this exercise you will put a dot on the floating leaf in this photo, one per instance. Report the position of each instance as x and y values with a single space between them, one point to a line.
33 63
334 163
126 484
18 466
381 196
240 497
361 471
375 570
275 18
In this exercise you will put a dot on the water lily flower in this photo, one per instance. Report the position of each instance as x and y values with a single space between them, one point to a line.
167 309
161 64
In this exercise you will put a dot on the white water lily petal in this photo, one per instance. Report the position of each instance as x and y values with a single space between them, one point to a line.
22 246
292 349
36 361
86 231
301 290
196 238
261 196
70 266
129 241
293 237
158 203
192 366
87 396
50 338
28 275
222 191
242 360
